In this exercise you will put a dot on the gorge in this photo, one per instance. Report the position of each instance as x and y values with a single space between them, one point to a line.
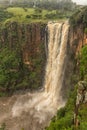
33 111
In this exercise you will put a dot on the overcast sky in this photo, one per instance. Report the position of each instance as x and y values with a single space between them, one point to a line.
84 2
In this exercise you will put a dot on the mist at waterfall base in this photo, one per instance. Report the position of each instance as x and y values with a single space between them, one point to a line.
33 111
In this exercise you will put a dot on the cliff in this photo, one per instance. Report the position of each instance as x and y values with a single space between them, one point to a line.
80 106
27 43
78 39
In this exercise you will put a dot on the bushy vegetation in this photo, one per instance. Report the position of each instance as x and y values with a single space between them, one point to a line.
4 15
82 115
64 120
79 17
83 63
15 73
11 69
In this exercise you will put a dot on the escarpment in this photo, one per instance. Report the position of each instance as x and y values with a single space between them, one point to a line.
26 41
28 36
78 38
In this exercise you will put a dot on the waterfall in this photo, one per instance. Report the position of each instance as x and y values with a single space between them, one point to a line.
57 52
34 111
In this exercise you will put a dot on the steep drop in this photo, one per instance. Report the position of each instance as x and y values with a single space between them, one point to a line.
34 111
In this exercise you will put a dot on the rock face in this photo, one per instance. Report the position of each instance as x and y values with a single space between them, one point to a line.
81 93
77 39
28 41
28 36
81 99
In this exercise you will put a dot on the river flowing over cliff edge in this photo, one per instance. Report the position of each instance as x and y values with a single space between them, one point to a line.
33 111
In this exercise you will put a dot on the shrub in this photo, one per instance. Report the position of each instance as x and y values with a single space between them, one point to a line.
38 10
28 16
83 62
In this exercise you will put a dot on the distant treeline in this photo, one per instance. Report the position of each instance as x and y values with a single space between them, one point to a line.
47 4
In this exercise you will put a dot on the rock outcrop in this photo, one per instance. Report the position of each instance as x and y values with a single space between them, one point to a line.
80 100
78 39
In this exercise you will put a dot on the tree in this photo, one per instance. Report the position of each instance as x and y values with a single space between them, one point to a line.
9 67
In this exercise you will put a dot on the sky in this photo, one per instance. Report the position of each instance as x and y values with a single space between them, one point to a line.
82 2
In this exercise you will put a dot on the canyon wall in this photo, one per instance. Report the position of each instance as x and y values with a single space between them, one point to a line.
28 36
27 41
78 38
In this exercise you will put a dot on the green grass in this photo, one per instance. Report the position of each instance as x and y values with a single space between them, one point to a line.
20 15
20 11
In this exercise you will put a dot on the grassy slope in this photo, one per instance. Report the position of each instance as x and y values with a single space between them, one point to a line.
19 14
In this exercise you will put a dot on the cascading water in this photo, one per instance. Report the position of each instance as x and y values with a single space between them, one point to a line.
34 111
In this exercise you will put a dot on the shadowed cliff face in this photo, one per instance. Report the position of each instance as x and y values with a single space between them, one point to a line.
27 42
77 38
27 36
